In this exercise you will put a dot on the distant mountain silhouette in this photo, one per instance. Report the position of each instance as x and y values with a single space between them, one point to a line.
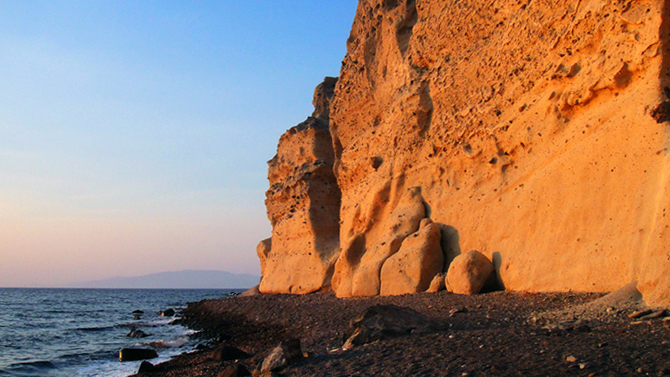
187 279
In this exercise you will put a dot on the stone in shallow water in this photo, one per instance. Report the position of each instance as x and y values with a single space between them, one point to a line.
133 354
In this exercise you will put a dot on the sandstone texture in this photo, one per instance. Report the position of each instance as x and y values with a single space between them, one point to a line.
413 267
381 225
438 283
303 206
468 273
531 128
533 131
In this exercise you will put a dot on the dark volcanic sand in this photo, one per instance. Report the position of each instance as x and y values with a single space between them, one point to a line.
499 334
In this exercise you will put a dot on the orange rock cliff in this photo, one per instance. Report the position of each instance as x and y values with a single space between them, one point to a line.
533 131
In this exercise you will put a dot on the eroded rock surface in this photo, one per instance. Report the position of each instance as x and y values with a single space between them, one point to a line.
303 206
383 220
536 132
413 267
531 128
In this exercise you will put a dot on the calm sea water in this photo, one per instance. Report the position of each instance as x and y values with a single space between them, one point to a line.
79 332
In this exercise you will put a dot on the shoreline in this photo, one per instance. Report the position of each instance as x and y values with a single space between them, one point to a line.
499 333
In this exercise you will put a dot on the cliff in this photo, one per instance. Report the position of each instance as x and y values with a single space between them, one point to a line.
532 131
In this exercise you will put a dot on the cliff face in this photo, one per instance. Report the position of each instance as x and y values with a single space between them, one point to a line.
532 131
303 206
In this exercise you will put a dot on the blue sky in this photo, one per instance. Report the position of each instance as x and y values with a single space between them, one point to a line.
135 134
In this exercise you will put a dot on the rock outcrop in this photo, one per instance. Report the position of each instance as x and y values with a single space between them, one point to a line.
536 132
413 267
303 206
382 222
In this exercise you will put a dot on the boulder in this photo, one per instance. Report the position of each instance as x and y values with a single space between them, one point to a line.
133 354
287 352
438 283
235 370
225 353
137 333
146 366
385 321
168 313
393 213
468 273
413 267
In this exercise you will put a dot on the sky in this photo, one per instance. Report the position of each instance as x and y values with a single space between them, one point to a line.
134 135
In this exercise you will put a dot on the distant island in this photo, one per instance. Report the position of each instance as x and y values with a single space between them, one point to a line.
187 279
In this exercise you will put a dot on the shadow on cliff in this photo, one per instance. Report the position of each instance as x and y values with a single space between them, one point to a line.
495 283
450 243
662 112
451 247
664 38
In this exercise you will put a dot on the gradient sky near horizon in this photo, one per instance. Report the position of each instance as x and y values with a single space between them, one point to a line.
135 134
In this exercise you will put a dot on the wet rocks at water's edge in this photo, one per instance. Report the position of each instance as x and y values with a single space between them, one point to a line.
137 333
133 354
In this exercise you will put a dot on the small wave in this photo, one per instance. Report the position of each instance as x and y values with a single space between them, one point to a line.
159 344
139 324
29 368
97 328
190 332
161 322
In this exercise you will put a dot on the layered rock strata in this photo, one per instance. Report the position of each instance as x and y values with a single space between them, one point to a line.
303 206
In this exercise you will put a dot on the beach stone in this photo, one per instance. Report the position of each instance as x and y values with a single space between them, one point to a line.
438 283
146 366
133 354
385 321
137 333
655 314
284 354
468 273
225 353
235 370
640 313
413 267
168 313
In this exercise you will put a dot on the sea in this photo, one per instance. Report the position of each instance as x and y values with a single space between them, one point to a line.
79 332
